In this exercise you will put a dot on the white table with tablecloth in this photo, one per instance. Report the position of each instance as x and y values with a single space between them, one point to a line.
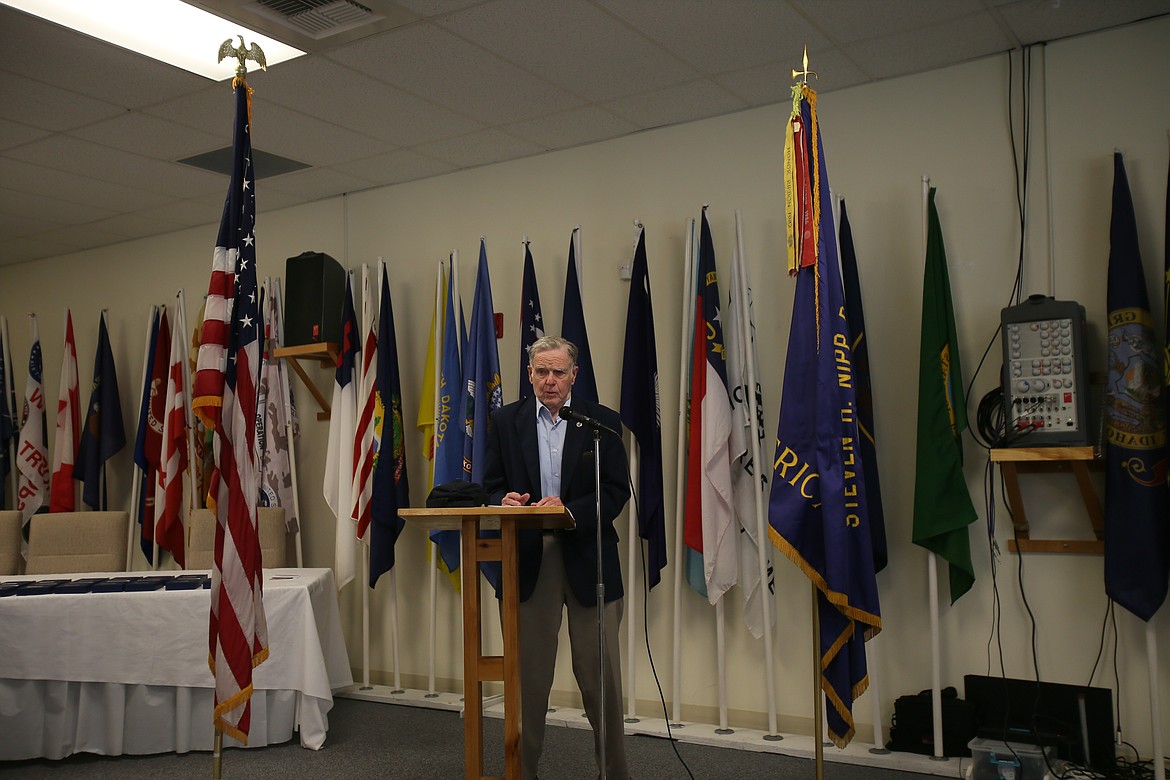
127 673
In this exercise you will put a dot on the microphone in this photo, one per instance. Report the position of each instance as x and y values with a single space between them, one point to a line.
571 414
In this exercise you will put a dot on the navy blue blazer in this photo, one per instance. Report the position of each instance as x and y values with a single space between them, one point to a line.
512 463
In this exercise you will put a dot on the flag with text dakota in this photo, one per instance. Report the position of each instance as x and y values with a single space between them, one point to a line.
104 433
641 411
225 398
531 322
449 435
168 492
63 491
942 504
1137 557
32 461
816 511
148 442
573 325
391 486
339 465
863 390
709 525
483 389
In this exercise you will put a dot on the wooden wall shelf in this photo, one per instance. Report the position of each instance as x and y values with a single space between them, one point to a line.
1031 460
325 354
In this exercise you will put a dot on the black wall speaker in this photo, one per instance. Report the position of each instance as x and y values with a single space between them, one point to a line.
314 291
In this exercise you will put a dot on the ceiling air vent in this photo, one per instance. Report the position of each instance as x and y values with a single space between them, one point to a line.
318 18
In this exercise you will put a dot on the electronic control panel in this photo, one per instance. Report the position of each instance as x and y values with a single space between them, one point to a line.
1045 378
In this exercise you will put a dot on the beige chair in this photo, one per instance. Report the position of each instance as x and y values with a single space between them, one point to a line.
10 528
201 538
69 542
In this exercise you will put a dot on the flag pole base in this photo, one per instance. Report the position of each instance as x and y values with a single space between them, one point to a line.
217 756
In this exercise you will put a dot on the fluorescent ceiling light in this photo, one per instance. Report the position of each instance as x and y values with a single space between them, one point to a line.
166 30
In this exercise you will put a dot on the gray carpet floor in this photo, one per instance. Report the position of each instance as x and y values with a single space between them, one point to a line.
373 740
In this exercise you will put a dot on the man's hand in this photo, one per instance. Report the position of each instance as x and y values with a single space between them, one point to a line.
549 501
515 499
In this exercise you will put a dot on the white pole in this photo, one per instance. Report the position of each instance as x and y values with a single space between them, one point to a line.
681 464
394 632
632 594
766 605
875 696
932 560
721 665
437 348
286 399
1155 698
193 467
136 486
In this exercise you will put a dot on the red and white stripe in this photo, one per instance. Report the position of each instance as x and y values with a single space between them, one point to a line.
168 496
63 492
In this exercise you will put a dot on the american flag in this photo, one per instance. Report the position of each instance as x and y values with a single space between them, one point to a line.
225 399
364 444
168 492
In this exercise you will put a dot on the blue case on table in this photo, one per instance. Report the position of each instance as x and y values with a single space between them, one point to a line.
113 584
142 584
79 586
39 587
188 582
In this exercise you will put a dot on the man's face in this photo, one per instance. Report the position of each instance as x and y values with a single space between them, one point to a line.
552 374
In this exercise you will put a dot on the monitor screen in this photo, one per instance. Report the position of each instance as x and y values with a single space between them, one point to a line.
1074 719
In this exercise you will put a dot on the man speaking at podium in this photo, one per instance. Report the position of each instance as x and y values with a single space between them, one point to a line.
538 457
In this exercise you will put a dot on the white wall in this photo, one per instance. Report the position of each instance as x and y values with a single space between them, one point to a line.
1102 91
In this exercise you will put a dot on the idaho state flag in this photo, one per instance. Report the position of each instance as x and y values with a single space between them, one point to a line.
1136 538
817 509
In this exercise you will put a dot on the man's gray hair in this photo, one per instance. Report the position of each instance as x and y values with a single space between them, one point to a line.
548 343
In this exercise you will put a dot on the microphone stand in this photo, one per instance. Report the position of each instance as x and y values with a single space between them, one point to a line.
600 595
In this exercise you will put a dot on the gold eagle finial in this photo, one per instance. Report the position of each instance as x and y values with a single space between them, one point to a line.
242 53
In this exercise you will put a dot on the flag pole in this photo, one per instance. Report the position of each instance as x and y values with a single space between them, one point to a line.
286 400
432 551
681 464
192 498
766 603
1155 699
136 485
10 390
367 319
721 666
932 574
632 557
818 716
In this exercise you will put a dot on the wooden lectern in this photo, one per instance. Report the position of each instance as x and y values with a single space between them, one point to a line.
478 668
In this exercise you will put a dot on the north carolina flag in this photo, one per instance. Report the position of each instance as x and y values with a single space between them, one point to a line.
709 526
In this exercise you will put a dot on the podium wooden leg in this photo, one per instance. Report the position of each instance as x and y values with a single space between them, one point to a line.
511 627
472 685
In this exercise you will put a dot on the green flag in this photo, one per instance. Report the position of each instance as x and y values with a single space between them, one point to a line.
942 504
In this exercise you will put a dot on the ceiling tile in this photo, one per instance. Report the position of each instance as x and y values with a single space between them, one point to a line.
769 84
39 180
722 36
16 133
845 21
149 136
915 51
49 107
573 44
291 134
22 225
44 51
397 166
443 68
681 103
1033 22
29 206
317 183
334 93
21 250
135 225
78 237
480 148
188 213
572 128
429 8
